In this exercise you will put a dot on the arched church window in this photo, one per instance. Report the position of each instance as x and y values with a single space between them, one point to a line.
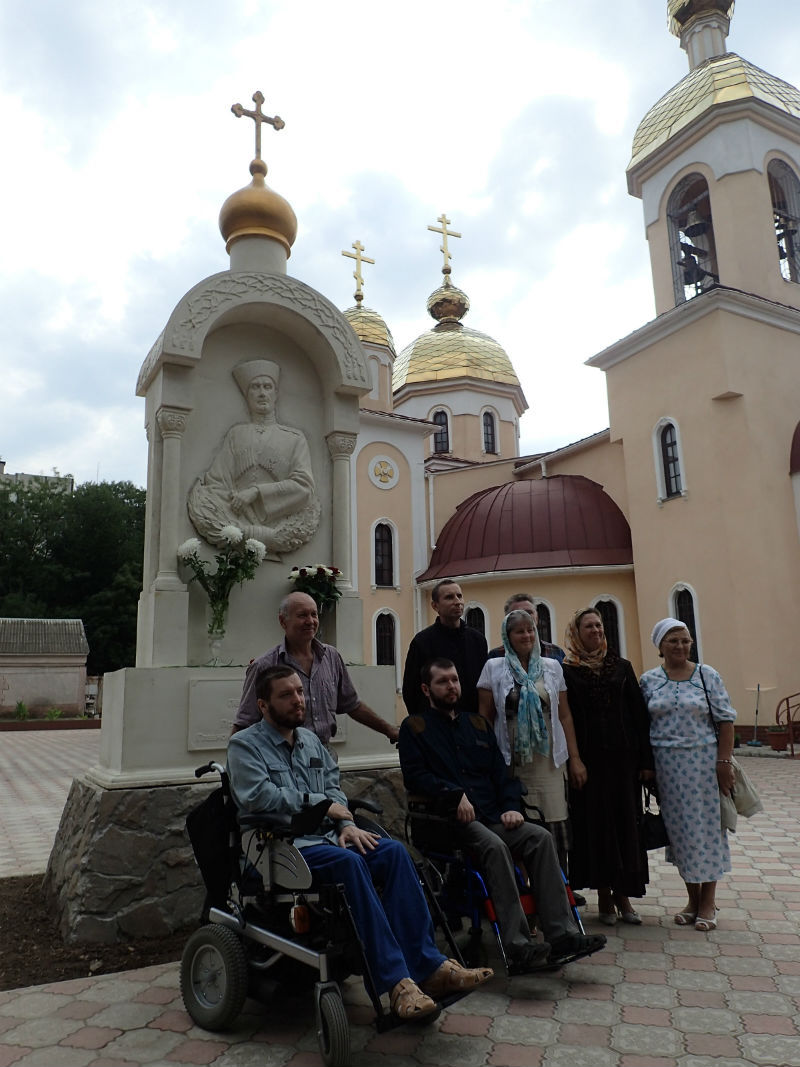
476 619
784 190
489 433
385 640
670 461
607 610
384 555
683 609
544 625
691 238
441 437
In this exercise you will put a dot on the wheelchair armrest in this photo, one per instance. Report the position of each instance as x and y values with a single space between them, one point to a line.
278 824
366 804
300 824
443 805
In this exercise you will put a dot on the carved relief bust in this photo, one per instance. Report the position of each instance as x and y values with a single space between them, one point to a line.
261 478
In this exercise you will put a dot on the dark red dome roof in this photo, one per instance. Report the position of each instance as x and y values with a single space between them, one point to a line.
563 521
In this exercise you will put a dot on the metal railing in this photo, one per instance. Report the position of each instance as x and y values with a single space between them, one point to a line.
787 714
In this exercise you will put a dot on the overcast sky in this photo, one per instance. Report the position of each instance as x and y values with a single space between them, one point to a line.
515 118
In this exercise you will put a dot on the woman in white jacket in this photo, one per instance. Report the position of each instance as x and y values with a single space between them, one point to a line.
524 696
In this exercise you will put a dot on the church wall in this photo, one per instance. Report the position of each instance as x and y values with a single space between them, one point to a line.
731 537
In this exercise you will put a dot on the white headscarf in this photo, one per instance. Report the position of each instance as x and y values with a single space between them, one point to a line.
662 628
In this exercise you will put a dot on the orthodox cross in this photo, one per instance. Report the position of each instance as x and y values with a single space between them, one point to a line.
359 258
443 230
258 117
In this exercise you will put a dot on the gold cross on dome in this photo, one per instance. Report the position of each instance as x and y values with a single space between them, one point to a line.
359 258
443 230
259 118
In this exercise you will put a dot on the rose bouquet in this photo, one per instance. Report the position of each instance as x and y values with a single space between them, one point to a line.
319 582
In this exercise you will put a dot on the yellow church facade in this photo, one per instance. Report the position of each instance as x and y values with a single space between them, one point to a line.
689 504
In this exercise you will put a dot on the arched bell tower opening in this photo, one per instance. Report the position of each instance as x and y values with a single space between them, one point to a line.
692 247
784 191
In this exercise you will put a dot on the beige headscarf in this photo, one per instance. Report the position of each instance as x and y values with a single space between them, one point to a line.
577 656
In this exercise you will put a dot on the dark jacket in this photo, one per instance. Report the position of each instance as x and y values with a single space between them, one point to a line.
464 646
441 755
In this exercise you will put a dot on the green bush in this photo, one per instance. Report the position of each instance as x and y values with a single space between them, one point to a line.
21 711
52 714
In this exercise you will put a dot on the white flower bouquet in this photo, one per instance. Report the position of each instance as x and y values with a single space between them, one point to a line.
236 563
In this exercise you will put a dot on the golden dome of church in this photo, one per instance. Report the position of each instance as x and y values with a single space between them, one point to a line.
369 326
452 350
724 80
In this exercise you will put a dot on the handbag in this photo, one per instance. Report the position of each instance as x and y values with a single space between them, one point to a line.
744 794
652 829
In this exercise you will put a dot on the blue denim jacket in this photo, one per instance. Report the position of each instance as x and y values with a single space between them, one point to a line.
268 775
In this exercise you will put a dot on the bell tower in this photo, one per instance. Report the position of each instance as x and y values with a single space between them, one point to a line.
716 163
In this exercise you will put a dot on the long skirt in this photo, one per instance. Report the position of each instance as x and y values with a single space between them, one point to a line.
689 797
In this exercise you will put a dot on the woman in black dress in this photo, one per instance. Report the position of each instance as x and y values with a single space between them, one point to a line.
612 729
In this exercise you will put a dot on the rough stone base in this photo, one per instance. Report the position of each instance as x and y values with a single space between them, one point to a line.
122 866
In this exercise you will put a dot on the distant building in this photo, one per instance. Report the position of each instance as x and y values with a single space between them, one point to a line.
65 482
43 664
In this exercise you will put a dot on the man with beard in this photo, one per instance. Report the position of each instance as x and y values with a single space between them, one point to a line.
276 766
446 751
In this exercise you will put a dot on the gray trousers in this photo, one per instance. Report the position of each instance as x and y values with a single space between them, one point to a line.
495 848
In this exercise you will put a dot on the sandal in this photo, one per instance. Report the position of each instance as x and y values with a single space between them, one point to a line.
409 1002
704 925
451 977
685 918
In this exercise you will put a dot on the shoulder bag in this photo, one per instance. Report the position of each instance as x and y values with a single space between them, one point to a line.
745 795
652 830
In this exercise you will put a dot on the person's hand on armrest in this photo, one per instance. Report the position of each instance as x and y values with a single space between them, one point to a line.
338 812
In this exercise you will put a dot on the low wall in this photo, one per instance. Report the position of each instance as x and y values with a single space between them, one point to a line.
122 867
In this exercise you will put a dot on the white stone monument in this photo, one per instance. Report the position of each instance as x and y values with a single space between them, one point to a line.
252 413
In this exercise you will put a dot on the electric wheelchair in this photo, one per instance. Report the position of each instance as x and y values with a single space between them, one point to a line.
455 887
267 926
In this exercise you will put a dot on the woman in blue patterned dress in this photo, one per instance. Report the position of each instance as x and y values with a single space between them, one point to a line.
693 763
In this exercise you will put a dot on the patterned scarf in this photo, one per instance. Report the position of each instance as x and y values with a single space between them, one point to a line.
532 733
577 656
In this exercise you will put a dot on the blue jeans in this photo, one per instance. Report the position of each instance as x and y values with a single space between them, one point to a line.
395 927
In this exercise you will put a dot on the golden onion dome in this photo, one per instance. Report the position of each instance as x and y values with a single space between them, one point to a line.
452 350
723 80
258 211
369 327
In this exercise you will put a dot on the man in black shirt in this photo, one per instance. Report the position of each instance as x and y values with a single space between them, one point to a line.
447 751
448 638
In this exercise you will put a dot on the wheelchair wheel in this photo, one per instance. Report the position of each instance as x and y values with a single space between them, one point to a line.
214 977
333 1031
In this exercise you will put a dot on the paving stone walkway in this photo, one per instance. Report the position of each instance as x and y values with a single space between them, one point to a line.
658 996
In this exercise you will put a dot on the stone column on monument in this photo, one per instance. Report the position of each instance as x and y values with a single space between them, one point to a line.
171 423
349 621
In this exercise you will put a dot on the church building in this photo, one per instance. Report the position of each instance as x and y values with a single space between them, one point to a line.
689 504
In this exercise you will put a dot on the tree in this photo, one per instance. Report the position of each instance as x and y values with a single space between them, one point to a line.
75 555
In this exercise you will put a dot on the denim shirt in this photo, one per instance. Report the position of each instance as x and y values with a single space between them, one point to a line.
269 775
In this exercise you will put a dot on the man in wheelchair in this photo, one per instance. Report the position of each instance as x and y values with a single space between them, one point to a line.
445 751
278 767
